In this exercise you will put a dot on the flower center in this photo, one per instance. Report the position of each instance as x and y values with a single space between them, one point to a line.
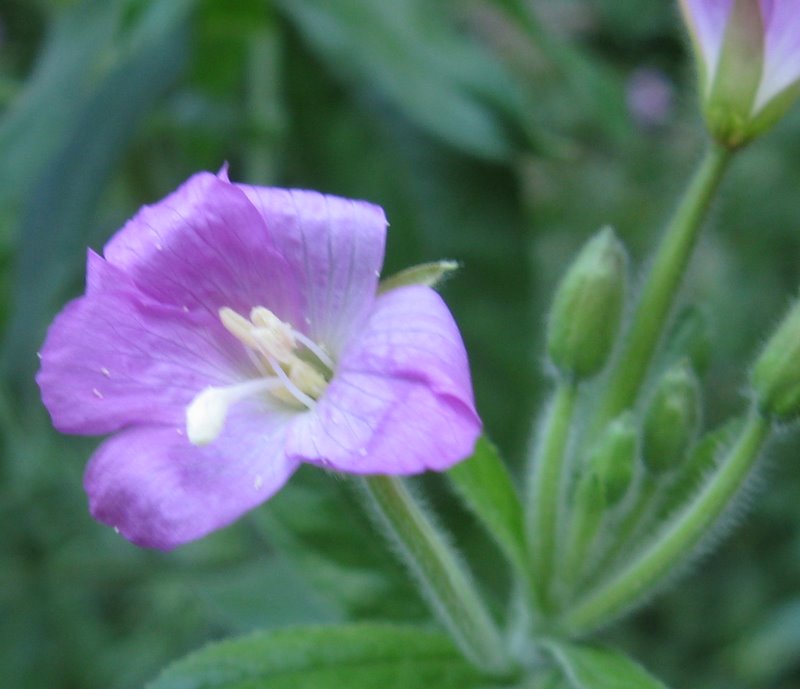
295 370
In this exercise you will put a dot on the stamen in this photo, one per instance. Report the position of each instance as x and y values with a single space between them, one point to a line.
315 349
272 345
296 392
273 336
206 413
238 326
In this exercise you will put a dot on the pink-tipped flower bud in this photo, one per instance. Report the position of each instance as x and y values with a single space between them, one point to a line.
748 52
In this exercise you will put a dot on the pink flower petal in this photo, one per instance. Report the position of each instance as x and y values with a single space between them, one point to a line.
335 249
400 401
160 491
707 20
782 48
115 358
206 246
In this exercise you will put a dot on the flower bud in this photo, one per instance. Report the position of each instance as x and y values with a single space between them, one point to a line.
614 458
585 316
776 374
747 51
672 420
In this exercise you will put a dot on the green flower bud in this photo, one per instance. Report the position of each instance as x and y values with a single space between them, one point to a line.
672 420
614 458
585 316
776 374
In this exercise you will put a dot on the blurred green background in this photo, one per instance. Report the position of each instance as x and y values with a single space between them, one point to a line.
493 134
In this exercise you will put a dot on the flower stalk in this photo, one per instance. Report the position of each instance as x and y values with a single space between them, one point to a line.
679 535
659 290
443 579
546 488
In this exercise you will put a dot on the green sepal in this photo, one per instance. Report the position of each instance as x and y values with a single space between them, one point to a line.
728 106
486 487
594 667
428 274
358 656
773 110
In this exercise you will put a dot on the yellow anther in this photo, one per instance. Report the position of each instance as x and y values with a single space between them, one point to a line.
238 326
307 378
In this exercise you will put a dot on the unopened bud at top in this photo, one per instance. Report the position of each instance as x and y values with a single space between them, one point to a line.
614 458
585 316
776 374
749 57
672 419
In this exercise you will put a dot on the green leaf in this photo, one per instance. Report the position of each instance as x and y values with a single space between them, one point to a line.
410 52
86 43
60 214
488 490
346 657
592 667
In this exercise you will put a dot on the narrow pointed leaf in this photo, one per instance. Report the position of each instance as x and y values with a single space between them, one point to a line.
488 490
593 667
409 52
367 656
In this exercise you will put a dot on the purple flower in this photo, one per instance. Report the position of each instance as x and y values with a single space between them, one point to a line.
749 54
229 333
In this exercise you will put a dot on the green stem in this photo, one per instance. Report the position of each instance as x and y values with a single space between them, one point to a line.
546 488
587 516
661 286
681 534
443 579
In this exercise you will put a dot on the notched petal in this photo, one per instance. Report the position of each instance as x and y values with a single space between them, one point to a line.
115 357
205 246
334 247
401 399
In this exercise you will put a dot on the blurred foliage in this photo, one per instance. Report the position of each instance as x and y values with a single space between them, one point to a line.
494 135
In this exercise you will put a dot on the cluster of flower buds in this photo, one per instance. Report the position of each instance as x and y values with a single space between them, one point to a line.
623 469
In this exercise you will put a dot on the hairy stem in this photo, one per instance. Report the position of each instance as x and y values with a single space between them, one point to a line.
659 289
443 579
546 488
675 540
